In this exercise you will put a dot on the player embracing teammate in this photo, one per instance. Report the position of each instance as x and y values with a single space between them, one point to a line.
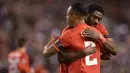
77 53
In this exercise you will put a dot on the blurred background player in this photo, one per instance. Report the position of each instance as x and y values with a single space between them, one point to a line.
18 60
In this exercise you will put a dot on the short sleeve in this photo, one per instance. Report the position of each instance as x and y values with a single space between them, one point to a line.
65 29
65 39
103 30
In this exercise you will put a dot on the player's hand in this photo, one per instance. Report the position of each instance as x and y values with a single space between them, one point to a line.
89 50
105 56
91 33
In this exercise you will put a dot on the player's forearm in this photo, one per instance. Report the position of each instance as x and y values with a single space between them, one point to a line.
50 43
69 57
74 55
50 49
110 47
109 44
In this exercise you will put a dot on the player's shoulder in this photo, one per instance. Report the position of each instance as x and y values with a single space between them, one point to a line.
14 53
65 29
83 26
10 53
101 25
66 33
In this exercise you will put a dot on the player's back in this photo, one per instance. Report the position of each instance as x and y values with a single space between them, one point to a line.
87 64
14 59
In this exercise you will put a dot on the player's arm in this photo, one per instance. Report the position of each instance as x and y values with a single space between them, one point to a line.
105 54
51 49
70 56
110 46
54 46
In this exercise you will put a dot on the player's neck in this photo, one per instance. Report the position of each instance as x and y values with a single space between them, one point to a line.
80 22
22 49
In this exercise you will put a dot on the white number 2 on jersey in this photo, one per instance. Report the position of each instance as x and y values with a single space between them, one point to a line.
89 62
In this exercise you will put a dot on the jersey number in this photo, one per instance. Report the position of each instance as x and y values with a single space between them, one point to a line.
13 62
89 62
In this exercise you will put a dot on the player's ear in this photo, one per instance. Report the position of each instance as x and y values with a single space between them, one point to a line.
73 17
88 15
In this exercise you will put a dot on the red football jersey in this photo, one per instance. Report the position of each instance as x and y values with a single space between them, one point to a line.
104 32
18 62
99 27
102 29
63 67
72 38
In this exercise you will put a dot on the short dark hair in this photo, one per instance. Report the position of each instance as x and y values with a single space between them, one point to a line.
94 7
79 8
21 42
